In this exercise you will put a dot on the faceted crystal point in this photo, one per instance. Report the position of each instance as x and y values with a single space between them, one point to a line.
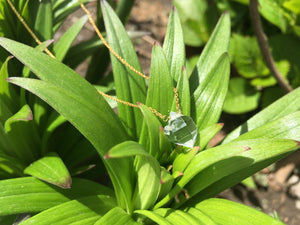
181 130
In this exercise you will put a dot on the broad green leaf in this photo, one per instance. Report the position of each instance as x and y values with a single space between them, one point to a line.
198 19
178 217
154 217
150 136
23 134
208 99
52 169
287 127
28 194
224 160
126 149
205 135
273 12
90 121
148 182
183 90
284 106
44 20
241 97
206 219
160 92
78 101
130 87
80 211
227 212
147 172
215 47
246 56
183 159
293 5
258 154
116 216
64 43
174 46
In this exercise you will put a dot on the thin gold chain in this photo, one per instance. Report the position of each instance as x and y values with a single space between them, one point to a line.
122 60
28 28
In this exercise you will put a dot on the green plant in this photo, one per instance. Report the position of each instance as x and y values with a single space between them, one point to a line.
252 85
135 150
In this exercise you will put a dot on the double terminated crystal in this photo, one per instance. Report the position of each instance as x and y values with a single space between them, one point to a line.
181 130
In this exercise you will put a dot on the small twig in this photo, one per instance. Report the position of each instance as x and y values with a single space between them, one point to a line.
264 47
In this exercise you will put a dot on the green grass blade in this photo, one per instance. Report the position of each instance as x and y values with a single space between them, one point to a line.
62 46
174 46
28 194
208 98
216 46
129 86
81 211
52 169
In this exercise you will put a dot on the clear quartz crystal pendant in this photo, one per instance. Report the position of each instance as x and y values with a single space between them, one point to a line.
181 130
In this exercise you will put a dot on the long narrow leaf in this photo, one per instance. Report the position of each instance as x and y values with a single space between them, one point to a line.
28 194
129 86
218 44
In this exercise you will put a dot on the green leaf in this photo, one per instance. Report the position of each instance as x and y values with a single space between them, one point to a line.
274 13
116 216
226 172
81 211
206 219
215 47
207 134
224 160
227 212
174 46
183 159
62 46
150 136
287 127
78 101
284 106
11 166
241 97
183 90
28 194
160 91
154 217
209 97
197 19
51 169
23 135
129 86
178 217
147 172
44 20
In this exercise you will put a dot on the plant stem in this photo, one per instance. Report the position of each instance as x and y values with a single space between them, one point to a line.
264 47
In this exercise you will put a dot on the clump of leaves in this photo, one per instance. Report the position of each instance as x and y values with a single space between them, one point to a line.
154 181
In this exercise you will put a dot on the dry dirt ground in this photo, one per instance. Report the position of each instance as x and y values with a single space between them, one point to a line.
152 16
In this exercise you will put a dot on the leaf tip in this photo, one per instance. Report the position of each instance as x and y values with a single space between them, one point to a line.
174 8
106 156
67 184
246 148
